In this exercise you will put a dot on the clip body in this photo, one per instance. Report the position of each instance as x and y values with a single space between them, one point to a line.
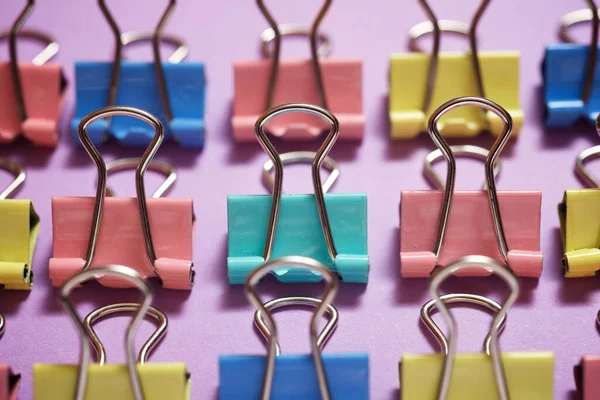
342 81
295 378
9 383
470 230
586 377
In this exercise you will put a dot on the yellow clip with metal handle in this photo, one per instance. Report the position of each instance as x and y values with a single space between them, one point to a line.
579 214
132 381
18 242
419 81
490 375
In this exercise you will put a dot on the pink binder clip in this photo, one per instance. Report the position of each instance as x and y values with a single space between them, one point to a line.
334 84
9 381
586 375
153 236
32 94
440 226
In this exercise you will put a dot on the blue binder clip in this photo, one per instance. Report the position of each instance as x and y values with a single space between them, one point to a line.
571 74
289 377
172 91
331 228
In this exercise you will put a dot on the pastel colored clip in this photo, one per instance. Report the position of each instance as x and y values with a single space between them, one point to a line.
284 376
493 375
569 70
153 236
137 380
439 226
32 94
586 375
334 84
173 91
331 228
577 214
419 80
9 381
17 243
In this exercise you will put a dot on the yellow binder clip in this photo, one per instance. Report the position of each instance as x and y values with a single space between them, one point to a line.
419 80
579 212
133 381
18 242
493 375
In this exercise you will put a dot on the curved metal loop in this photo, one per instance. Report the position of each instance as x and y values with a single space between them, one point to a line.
268 36
105 311
433 64
314 39
598 317
281 302
331 287
116 271
589 14
179 54
427 28
17 171
491 160
156 39
259 130
296 157
14 61
159 166
46 54
460 298
139 174
2 324
466 150
491 265
582 172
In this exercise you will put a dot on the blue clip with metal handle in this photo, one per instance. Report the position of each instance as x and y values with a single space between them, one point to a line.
173 91
571 74
331 228
288 377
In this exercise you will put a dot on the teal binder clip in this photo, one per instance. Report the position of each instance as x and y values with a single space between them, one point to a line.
331 228
294 376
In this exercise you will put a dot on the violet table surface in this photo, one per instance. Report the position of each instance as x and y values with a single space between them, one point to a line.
383 317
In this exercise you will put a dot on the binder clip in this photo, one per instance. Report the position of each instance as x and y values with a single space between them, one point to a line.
282 376
439 226
18 243
494 375
334 84
331 228
175 92
586 375
569 73
418 80
577 213
9 380
153 236
137 379
32 94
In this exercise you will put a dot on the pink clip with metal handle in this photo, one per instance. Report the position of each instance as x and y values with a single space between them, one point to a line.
32 94
440 226
335 84
152 236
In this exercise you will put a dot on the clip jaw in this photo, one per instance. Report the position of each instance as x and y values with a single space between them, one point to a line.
175 92
330 228
9 383
586 375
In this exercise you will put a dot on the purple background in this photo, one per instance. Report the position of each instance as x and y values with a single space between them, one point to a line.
381 319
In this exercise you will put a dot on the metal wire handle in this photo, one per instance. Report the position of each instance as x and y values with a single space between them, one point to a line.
14 61
139 175
576 17
17 171
491 265
162 167
269 35
296 157
460 298
580 169
426 28
491 160
116 271
331 282
102 312
466 150
282 302
179 54
46 54
259 130
2 324
314 39
433 64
